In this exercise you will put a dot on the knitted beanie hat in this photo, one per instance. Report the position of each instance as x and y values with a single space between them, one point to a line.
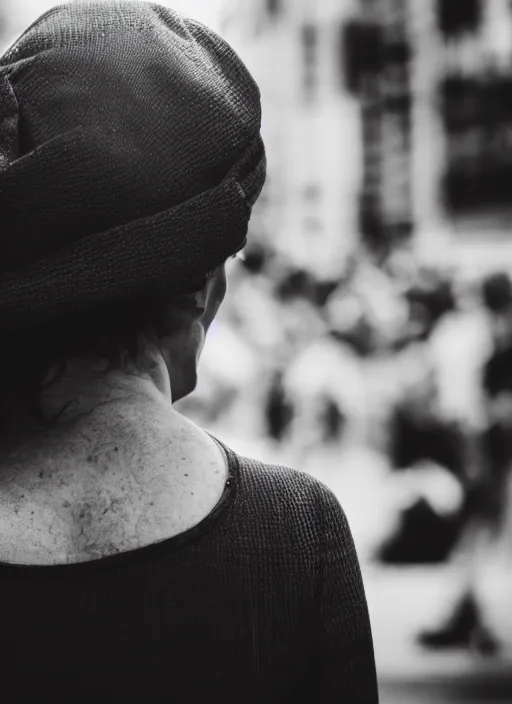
130 158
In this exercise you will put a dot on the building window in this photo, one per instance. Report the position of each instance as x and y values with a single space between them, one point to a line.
360 53
312 192
274 7
312 225
456 17
309 36
477 117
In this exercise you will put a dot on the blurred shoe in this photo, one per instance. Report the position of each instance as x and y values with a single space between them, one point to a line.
463 630
483 642
459 630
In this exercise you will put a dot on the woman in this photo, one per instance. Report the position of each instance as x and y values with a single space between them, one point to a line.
139 554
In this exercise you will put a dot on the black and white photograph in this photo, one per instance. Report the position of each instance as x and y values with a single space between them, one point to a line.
256 351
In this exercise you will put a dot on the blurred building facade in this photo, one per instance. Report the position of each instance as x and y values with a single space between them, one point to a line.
462 131
311 125
384 119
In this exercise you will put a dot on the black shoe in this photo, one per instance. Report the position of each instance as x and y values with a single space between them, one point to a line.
483 642
458 632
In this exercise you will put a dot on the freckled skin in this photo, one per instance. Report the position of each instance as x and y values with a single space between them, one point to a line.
119 476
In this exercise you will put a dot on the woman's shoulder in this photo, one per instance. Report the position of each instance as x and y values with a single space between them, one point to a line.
283 478
292 494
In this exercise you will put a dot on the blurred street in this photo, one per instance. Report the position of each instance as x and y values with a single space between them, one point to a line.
475 689
400 602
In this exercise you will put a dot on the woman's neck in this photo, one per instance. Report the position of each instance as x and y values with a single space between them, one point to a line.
90 407
86 386
88 383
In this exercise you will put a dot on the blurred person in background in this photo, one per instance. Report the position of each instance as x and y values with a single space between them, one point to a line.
325 385
139 553
478 617
278 408
426 446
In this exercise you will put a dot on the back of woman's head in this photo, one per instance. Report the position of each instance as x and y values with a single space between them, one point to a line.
130 159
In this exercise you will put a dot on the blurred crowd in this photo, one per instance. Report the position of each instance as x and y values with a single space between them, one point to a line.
400 376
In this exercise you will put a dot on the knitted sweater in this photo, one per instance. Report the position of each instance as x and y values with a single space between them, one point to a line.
262 601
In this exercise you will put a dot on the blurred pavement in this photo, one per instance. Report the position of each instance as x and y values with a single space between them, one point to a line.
402 602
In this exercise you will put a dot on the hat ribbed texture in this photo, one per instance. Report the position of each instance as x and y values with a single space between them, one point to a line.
130 157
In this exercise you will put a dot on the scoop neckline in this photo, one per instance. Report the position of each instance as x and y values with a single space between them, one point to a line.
146 552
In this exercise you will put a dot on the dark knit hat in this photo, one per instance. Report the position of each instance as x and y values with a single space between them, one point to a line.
130 158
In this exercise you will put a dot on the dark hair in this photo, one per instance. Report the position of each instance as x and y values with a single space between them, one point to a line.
497 373
497 292
117 332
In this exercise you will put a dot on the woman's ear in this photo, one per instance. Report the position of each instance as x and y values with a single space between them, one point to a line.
186 305
200 297
181 310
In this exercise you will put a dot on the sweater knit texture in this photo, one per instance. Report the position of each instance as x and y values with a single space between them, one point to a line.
262 601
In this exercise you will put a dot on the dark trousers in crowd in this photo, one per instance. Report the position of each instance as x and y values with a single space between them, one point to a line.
483 519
